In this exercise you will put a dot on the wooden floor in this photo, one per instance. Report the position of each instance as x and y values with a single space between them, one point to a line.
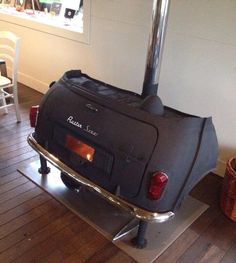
36 228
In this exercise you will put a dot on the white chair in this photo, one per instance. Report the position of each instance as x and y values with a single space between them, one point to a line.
9 52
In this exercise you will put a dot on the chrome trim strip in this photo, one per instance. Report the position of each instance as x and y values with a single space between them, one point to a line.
134 210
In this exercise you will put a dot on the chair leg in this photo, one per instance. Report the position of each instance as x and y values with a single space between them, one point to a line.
4 102
16 104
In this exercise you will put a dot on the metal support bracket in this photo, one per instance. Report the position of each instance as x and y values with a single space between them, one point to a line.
126 229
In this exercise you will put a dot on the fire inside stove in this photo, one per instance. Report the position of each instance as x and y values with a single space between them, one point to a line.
82 149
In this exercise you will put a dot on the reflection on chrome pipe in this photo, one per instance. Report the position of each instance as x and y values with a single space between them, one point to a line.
155 48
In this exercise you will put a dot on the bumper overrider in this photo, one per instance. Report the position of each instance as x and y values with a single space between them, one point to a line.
139 213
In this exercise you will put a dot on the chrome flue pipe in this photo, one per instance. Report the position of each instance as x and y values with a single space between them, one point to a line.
155 47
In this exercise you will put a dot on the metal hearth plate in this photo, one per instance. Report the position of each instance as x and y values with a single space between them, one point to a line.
109 220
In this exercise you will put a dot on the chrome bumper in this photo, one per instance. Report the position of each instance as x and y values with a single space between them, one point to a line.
134 210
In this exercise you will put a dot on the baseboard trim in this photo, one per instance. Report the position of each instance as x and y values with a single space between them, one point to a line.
220 168
33 83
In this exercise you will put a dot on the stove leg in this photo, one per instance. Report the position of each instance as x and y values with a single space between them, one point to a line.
43 166
140 241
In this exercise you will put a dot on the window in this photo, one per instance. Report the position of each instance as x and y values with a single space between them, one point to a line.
65 18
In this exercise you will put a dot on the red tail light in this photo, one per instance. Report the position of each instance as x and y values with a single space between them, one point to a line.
157 185
33 115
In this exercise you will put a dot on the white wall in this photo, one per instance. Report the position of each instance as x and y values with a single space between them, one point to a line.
199 64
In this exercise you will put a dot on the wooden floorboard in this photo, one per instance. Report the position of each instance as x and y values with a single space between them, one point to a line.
20 248
14 147
13 168
9 178
13 184
230 255
16 202
41 215
36 200
16 191
36 228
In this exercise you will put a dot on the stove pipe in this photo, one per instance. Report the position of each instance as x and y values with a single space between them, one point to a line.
155 48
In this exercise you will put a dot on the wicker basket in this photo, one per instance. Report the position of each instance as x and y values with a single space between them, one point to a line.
228 194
